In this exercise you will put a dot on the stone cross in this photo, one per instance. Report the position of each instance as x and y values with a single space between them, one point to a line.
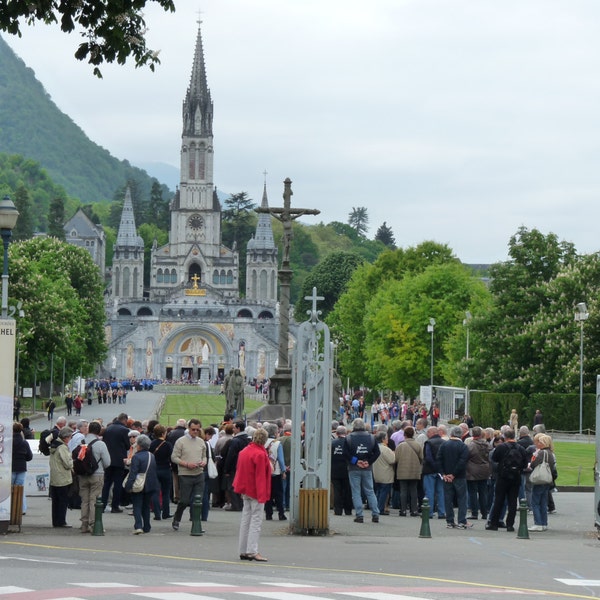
314 313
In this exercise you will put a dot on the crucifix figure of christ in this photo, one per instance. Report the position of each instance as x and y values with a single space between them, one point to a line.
286 215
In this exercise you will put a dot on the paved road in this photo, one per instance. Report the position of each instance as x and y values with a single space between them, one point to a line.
382 561
140 405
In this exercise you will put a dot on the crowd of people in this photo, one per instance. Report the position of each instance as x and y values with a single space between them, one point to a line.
174 462
466 472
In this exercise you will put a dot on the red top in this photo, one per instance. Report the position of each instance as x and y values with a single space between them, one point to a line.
253 473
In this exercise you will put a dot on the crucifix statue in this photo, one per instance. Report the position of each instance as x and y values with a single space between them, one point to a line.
286 215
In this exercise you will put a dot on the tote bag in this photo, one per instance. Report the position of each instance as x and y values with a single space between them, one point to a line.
541 474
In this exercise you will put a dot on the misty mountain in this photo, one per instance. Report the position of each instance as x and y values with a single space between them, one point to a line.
33 126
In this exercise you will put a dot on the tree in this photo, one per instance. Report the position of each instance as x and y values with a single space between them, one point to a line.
358 220
347 320
24 228
386 236
237 220
61 291
396 348
158 208
113 31
506 340
330 277
56 218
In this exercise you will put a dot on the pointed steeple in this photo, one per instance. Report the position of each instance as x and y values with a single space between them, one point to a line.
127 236
198 106
263 238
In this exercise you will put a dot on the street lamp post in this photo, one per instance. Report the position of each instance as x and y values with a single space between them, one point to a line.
581 315
430 329
466 323
8 220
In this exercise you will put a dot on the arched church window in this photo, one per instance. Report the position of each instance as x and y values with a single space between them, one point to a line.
216 277
223 277
265 314
230 276
244 314
159 276
173 276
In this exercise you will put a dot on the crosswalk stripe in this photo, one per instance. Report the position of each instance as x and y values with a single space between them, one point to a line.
285 584
379 596
103 584
201 584
11 589
582 582
173 596
281 595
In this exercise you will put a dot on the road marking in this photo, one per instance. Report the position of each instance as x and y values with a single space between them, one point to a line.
104 584
379 596
11 589
47 562
288 585
174 596
582 582
280 595
201 584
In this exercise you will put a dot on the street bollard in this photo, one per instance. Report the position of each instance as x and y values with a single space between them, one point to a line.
99 509
523 533
425 529
197 516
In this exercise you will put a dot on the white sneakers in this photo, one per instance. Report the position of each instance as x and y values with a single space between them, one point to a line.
537 528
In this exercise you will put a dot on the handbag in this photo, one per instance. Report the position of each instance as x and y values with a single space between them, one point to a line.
541 474
140 479
211 467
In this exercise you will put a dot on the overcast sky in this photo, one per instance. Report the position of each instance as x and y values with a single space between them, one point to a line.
452 120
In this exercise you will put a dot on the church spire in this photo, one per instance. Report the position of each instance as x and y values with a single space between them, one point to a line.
263 239
198 106
127 235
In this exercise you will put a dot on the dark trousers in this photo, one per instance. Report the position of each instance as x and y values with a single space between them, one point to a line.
141 510
478 500
60 503
190 486
235 499
164 479
506 489
342 496
113 476
276 497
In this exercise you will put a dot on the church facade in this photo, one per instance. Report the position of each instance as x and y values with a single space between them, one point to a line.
190 323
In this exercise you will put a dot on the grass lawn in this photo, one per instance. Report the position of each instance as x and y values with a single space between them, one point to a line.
209 408
575 463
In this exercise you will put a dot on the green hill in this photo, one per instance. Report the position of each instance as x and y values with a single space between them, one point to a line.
31 125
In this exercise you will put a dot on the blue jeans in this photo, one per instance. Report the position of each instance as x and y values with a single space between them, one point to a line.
539 504
433 486
382 491
457 489
361 481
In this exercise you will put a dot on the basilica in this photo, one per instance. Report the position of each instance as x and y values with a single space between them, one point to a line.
191 324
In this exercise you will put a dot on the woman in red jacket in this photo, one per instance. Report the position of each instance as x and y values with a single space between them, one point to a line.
253 482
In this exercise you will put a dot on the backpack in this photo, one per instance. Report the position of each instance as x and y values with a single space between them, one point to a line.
512 465
44 446
84 461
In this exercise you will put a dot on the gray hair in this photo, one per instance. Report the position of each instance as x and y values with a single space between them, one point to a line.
523 430
456 432
143 441
358 425
380 436
65 432
271 429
